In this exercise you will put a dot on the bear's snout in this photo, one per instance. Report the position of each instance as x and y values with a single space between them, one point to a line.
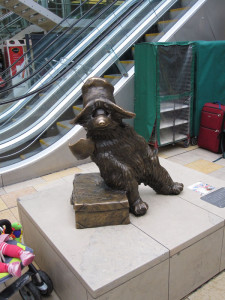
101 121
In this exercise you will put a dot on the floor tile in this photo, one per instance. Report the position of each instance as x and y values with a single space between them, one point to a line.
69 178
219 173
190 148
61 174
2 191
90 167
22 185
2 205
51 177
7 214
178 160
49 184
221 162
15 212
190 156
10 199
163 155
169 151
205 154
203 166
185 158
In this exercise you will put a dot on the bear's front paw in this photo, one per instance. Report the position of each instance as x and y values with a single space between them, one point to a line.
177 188
139 208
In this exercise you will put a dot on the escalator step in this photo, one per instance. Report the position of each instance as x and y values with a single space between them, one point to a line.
185 2
163 24
62 125
127 64
44 143
77 109
29 154
113 79
48 141
176 11
149 37
41 94
127 61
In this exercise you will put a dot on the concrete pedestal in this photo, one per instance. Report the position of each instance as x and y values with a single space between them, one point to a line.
166 254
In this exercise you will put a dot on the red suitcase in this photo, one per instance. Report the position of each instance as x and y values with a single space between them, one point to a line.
212 127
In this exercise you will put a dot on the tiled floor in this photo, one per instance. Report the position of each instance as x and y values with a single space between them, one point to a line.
191 157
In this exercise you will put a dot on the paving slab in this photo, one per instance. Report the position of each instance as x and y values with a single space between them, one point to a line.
189 177
174 222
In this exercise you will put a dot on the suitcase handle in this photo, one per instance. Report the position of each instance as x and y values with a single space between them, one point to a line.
217 102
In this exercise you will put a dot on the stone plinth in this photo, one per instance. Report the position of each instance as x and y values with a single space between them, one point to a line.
165 254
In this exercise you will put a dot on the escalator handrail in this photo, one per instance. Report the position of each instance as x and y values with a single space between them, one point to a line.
69 67
24 148
55 54
44 37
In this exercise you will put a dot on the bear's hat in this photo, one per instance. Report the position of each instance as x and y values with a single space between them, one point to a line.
98 93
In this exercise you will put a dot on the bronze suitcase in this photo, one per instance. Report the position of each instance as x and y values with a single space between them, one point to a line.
95 204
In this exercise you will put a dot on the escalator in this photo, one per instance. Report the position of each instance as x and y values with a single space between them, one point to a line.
41 134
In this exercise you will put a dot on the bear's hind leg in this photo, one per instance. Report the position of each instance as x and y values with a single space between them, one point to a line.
162 183
137 206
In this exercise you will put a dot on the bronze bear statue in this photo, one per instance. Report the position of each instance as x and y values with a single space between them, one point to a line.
124 158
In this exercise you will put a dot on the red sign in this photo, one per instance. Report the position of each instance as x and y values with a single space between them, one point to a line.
15 53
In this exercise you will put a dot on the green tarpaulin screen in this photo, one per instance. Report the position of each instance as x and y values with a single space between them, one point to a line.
209 77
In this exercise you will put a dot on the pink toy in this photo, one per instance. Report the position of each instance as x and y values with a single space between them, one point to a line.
14 268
